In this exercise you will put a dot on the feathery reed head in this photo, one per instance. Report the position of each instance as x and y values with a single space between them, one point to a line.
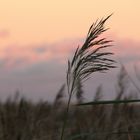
89 58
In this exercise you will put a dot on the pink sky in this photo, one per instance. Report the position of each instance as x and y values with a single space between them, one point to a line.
35 32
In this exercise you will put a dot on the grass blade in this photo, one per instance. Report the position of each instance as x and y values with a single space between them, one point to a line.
109 102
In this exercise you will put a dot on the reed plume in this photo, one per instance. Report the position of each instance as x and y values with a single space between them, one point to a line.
88 59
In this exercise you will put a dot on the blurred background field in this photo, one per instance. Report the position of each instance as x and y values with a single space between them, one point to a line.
22 119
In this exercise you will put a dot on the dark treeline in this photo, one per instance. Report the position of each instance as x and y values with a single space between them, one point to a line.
21 119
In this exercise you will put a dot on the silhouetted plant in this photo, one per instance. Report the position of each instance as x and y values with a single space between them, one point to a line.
59 96
87 60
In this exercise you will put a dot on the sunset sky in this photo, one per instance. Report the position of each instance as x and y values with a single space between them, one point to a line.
38 36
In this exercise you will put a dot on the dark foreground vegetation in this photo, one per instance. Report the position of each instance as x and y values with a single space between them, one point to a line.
21 119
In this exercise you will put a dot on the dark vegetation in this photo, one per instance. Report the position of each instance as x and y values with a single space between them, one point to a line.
21 119
118 119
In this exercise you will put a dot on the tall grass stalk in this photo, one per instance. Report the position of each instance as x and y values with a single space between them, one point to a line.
86 60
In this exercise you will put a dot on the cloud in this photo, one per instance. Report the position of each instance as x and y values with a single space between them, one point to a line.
4 33
127 51
40 69
40 49
14 56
